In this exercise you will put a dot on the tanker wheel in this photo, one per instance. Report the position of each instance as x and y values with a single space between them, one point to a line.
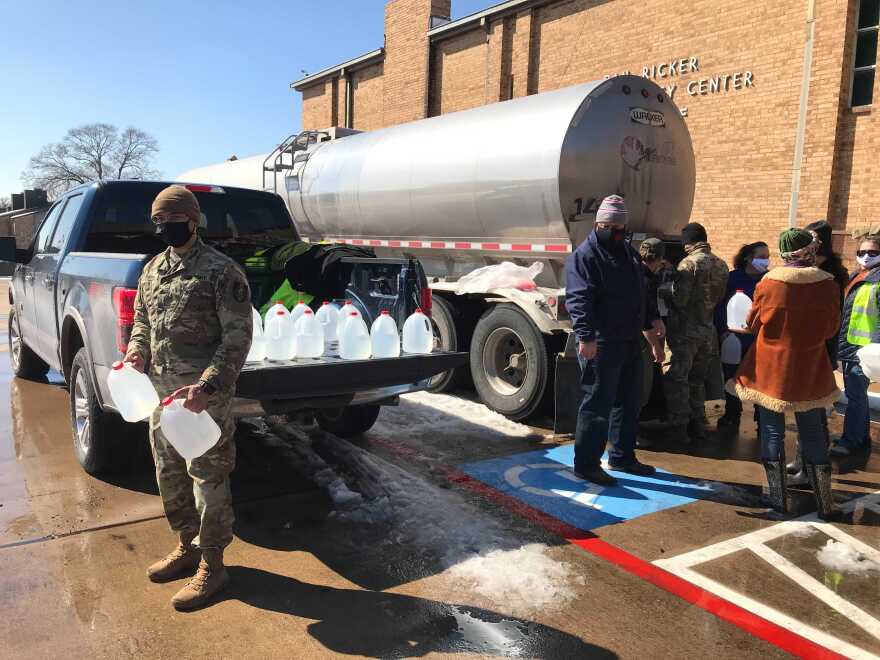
448 336
509 362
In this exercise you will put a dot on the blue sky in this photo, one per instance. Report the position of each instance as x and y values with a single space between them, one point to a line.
206 79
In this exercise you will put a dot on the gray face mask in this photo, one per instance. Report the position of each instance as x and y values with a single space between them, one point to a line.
761 265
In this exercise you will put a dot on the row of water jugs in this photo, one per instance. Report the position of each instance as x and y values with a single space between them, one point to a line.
300 333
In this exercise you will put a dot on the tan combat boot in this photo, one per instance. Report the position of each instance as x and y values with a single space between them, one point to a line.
209 580
180 562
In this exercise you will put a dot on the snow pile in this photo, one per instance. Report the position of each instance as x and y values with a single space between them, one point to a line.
842 558
525 578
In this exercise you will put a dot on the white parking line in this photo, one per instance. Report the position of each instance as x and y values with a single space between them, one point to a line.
755 542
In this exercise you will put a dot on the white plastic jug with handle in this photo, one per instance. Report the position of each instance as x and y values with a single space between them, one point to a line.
869 360
418 337
132 392
309 333
258 322
257 352
190 434
344 313
273 311
328 316
384 338
279 337
297 311
354 340
731 349
738 308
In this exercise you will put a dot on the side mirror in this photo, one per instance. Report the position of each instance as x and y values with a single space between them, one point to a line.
7 249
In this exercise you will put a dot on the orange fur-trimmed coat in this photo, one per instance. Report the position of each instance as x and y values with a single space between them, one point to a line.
794 312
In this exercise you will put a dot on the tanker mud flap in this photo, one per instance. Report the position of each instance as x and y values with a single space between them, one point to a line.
567 389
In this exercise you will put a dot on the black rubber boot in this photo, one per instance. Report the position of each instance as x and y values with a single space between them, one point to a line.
820 480
797 465
776 496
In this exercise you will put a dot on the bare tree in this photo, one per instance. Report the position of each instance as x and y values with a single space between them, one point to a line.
5 203
93 152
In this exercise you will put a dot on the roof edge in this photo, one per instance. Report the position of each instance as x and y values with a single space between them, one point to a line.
357 62
472 20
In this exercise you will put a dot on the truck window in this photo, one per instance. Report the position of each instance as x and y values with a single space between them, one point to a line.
65 224
41 239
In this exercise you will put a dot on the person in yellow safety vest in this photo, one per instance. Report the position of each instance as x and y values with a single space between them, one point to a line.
860 327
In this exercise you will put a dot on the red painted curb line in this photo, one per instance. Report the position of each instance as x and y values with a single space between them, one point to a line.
589 542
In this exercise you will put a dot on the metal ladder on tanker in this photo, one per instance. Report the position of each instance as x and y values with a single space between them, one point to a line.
276 162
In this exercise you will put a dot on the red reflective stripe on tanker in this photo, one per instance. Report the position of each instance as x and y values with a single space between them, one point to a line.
438 244
393 243
557 248
520 247
379 243
462 246
415 244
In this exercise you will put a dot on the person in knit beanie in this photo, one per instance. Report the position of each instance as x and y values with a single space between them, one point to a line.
795 311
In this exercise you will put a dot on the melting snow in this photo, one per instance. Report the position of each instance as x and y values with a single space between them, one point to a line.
840 557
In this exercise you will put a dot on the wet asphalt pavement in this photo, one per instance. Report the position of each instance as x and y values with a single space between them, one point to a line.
441 533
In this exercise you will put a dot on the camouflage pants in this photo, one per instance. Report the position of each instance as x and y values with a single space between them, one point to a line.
196 494
688 365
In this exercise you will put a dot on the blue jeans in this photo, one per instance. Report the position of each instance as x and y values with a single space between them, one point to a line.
811 432
857 421
612 386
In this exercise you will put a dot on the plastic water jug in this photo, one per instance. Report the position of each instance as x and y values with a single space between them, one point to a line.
418 337
309 333
731 349
344 313
279 337
737 310
190 434
257 352
297 311
354 340
328 316
273 311
258 323
384 338
132 392
869 359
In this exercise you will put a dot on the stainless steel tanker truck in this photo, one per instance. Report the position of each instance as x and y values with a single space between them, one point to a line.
515 181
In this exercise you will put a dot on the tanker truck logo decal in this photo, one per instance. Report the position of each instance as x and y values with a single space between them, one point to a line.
634 153
647 117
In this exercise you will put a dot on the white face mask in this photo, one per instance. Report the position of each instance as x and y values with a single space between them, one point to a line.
761 265
867 261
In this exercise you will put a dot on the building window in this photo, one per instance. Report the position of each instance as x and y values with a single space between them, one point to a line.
866 52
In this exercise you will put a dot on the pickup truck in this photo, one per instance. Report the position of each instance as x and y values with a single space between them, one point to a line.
72 309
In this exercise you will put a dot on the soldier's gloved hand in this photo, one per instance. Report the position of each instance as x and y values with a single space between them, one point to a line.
196 399
135 360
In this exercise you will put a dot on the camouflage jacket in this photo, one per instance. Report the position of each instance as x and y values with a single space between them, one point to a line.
193 318
700 283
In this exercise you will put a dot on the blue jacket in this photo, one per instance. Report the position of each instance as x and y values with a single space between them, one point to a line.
605 293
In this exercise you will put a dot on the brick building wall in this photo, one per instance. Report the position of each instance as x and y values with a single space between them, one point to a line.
744 130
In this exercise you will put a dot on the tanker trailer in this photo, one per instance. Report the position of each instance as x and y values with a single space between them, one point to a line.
518 181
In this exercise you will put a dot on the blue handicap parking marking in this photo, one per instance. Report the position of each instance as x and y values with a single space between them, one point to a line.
545 480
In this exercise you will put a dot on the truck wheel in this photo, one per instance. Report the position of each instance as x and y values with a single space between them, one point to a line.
25 363
448 337
97 435
509 362
348 422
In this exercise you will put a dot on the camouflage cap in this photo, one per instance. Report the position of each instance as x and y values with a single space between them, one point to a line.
652 248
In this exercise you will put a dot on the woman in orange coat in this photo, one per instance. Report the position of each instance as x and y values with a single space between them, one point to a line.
796 309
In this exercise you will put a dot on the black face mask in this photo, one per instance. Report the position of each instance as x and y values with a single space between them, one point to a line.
174 234
611 238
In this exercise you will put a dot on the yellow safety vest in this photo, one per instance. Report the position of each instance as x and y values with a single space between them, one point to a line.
865 316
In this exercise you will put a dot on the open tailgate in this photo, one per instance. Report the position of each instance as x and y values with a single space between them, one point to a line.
332 376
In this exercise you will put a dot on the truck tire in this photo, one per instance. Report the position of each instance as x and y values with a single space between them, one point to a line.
98 436
25 363
348 422
510 364
448 336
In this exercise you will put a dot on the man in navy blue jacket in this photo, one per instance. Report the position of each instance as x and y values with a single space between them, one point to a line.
605 297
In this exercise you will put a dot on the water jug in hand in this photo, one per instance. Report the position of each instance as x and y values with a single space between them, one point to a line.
190 434
731 349
132 392
384 338
418 337
738 308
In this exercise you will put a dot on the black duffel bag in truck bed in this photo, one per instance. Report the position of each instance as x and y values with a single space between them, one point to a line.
72 309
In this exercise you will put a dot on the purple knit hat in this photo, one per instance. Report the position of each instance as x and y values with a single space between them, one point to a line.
612 211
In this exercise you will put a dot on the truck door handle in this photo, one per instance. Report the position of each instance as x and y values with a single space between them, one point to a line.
49 280
29 276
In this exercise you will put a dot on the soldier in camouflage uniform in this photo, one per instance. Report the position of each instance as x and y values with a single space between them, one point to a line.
192 331
699 285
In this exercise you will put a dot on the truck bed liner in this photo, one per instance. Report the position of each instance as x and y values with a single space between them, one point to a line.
333 376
